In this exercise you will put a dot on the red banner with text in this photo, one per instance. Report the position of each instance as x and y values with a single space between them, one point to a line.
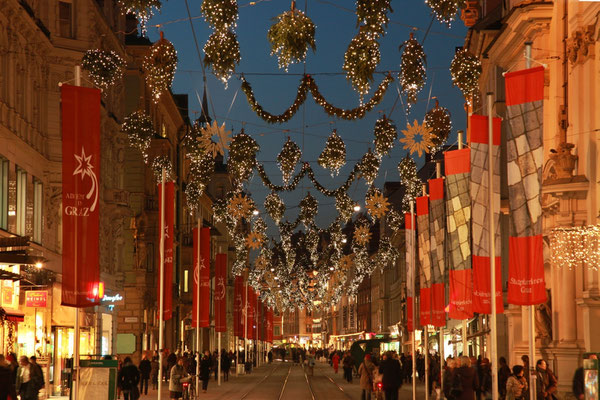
80 109
221 293
238 306
205 278
270 325
251 313
168 256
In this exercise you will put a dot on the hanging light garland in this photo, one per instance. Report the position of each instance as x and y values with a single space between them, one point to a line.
387 253
275 206
291 36
220 14
288 158
361 59
142 9
242 158
104 67
345 206
445 10
394 220
373 14
412 69
222 53
465 70
385 135
194 190
139 129
308 209
333 156
369 167
439 122
575 246
412 184
161 163
201 170
159 67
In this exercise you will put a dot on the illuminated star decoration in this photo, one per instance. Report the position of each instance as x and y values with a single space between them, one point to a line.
362 235
417 138
377 205
222 143
346 262
254 240
260 263
85 168
239 206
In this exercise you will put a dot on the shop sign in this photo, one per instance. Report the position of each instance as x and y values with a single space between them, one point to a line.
36 298
117 298
131 319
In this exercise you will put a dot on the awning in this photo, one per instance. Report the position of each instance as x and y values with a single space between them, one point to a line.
12 315
9 276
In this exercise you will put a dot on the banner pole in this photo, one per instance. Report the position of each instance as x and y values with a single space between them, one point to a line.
426 334
77 322
220 358
531 309
465 343
245 327
492 239
414 309
442 356
197 278
161 301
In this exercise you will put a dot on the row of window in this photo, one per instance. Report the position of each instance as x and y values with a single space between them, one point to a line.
21 202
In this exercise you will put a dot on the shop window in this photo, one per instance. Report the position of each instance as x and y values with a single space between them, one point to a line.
65 19
4 193
21 201
38 207
276 331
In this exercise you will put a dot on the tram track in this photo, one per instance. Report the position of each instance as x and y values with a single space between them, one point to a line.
250 393
314 395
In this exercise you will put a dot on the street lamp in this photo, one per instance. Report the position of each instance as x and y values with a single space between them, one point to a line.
39 265
357 208
255 212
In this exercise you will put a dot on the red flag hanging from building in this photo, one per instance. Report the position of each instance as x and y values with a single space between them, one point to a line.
80 109
458 227
168 256
205 278
269 325
197 258
480 206
525 156
424 238
221 293
437 228
238 306
410 270
250 313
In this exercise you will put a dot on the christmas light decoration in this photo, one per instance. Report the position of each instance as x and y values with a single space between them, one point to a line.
362 235
408 177
222 53
386 253
260 226
412 69
333 156
361 59
193 144
438 120
142 9
385 135
417 138
445 10
576 246
159 67
161 163
240 206
394 220
288 158
377 204
374 14
291 36
254 240
369 167
346 262
261 263
242 158
222 143
194 190
104 67
308 209
465 70
139 129
201 170
275 206
345 206
220 14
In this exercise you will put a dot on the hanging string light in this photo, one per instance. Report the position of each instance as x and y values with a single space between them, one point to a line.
333 156
161 163
438 120
159 67
394 220
465 70
288 158
373 14
576 246
361 59
308 209
385 135
193 195
369 167
275 206
409 179
201 170
445 10
139 129
291 36
242 158
142 9
104 67
220 14
412 69
222 53
345 206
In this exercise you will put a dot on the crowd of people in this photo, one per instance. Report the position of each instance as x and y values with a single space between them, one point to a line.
24 378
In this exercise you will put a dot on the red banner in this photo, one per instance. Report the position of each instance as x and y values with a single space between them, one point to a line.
250 313
425 308
221 293
168 226
410 245
80 109
424 241
269 325
526 286
205 278
481 285
409 313
238 306
437 220
461 294
438 298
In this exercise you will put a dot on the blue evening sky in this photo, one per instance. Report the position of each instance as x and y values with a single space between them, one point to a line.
335 27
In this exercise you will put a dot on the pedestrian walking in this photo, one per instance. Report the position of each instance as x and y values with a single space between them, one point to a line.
579 380
365 371
225 365
335 360
516 384
348 364
176 375
526 370
546 382
145 370
171 361
128 380
7 384
391 370
154 372
29 380
205 365
503 375
464 381
485 380
215 364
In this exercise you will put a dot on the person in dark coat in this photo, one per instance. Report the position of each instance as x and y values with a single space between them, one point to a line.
467 376
205 366
7 384
546 383
128 380
145 369
503 374
348 364
225 365
391 370
485 382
